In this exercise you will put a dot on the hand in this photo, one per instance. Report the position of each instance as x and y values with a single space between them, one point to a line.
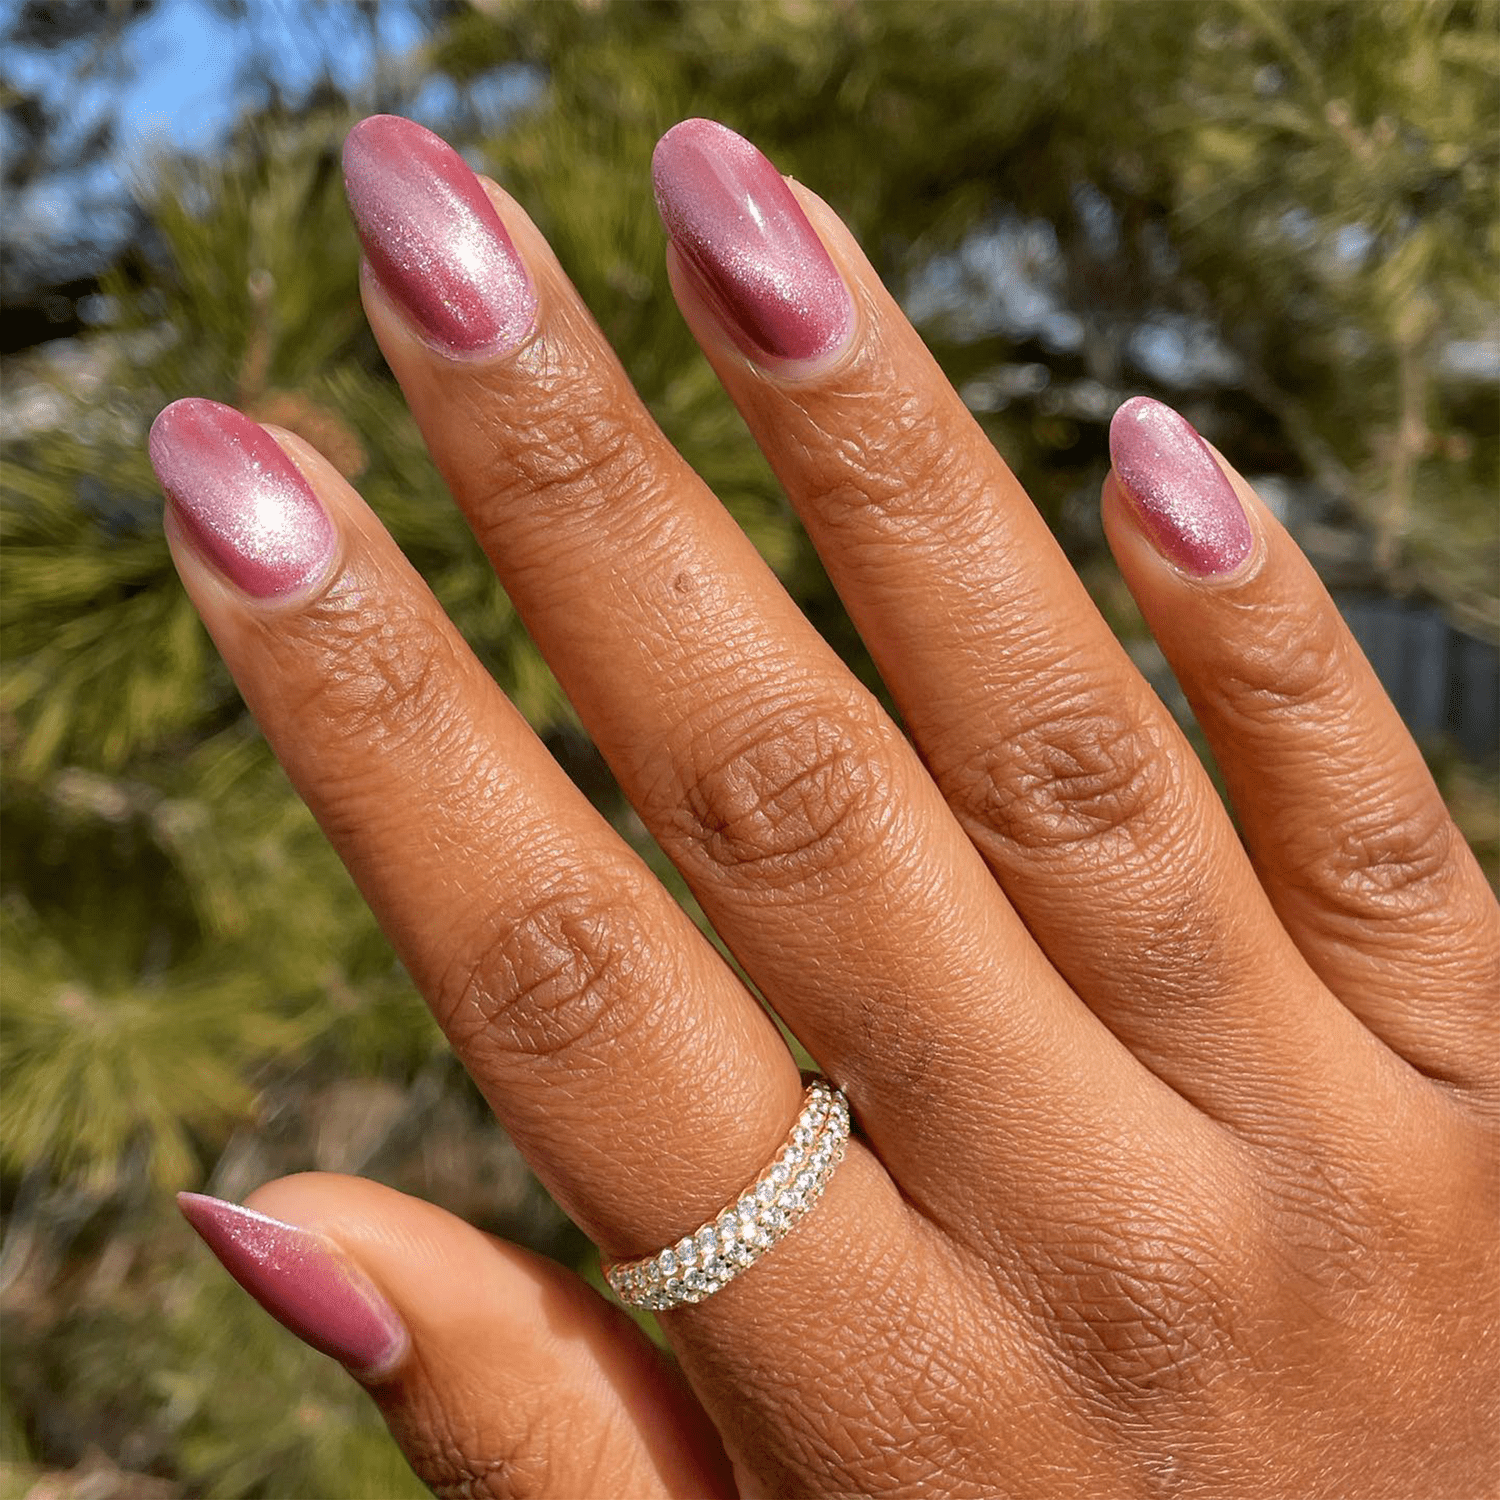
1174 1161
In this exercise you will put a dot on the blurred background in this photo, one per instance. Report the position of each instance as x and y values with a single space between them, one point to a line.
1281 218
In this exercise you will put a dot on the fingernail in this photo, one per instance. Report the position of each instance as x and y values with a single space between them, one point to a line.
433 238
304 1281
758 260
241 498
1185 504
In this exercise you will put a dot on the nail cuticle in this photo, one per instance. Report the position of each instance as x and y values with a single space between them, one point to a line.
777 369
1229 578
510 355
182 536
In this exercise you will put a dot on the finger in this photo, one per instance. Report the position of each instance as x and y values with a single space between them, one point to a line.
498 1372
613 1043
810 833
639 1078
873 929
1060 762
1361 859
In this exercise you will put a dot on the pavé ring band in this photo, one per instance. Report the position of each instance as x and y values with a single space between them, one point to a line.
768 1210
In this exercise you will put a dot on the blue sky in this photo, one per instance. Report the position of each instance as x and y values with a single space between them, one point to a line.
184 58
178 82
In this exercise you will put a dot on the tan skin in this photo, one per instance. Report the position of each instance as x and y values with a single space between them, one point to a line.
1175 1159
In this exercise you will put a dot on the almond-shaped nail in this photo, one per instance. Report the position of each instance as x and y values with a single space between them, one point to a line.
304 1281
433 238
1185 504
240 498
758 260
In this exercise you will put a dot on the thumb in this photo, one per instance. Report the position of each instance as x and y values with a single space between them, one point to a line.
498 1372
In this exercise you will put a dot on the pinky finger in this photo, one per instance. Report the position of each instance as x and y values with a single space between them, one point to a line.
499 1373
1353 844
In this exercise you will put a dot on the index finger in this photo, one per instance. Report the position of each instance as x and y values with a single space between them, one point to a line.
626 1060
632 1068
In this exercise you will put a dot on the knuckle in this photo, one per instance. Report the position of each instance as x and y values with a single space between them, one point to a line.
383 685
804 791
1084 778
1287 667
578 446
904 1414
456 1462
1146 1313
918 479
1389 848
564 977
1327 1232
1382 862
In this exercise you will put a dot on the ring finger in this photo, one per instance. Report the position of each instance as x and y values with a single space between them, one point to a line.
634 1071
1050 747
553 959
812 835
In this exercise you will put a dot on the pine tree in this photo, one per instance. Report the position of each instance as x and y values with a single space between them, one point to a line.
1278 215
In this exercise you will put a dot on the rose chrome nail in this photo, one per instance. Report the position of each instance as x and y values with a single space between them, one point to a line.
304 1281
756 257
1185 504
433 238
240 498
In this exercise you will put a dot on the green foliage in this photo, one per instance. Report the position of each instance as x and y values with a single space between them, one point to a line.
1306 190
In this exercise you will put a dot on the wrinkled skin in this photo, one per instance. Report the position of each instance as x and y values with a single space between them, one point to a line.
1174 1171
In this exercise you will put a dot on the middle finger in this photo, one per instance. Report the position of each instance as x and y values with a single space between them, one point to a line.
1064 767
810 832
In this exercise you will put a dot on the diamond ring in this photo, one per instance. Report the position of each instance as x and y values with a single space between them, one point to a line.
774 1204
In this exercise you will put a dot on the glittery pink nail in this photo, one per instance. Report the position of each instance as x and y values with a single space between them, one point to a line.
758 261
241 498
304 1281
1185 503
433 238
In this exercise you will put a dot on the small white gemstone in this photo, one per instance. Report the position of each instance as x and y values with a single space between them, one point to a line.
700 1263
